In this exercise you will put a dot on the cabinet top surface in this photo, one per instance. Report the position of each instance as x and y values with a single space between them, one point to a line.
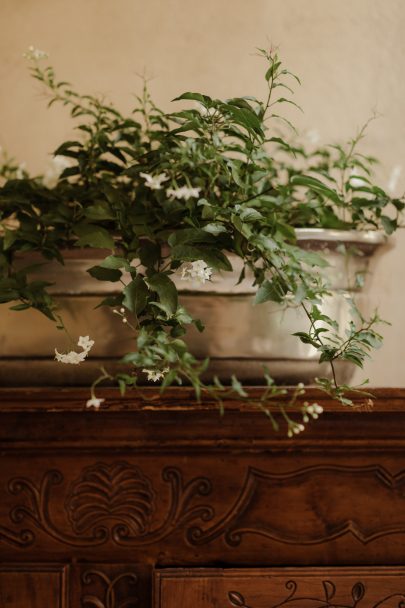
149 399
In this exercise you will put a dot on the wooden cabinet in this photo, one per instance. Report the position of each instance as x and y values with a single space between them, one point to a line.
96 505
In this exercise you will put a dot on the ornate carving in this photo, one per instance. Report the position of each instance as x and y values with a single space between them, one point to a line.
36 509
123 514
111 588
117 502
105 492
279 490
358 592
25 538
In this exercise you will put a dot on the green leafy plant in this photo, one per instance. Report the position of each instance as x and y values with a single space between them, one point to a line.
332 187
177 192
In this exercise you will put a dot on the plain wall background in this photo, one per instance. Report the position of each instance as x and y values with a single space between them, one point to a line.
349 54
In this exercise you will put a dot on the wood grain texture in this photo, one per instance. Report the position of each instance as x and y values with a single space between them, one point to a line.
55 420
174 398
281 588
33 586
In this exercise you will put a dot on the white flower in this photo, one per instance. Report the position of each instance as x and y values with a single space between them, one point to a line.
55 169
85 343
73 357
35 54
314 410
9 223
155 375
197 271
94 402
394 177
183 192
154 182
295 428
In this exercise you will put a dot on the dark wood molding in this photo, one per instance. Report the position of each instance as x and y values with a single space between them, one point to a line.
178 399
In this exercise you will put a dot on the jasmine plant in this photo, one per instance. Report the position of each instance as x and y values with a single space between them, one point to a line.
167 193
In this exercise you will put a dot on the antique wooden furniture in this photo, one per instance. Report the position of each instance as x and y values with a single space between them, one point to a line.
165 501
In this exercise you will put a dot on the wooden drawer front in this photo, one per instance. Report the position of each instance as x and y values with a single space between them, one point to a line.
33 586
256 510
281 588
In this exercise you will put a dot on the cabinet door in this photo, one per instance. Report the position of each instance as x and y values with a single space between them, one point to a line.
33 586
281 588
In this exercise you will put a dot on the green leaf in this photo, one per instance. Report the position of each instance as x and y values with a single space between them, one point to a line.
10 237
306 338
149 253
249 214
311 258
190 236
114 196
212 257
245 118
112 301
272 69
389 225
115 261
166 290
136 295
273 290
237 387
101 210
20 307
105 274
66 147
317 186
204 99
93 236
214 228
285 100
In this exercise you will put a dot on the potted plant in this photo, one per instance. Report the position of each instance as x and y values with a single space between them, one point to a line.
191 201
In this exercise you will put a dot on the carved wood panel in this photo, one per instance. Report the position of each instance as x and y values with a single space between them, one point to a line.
281 588
114 508
110 585
33 586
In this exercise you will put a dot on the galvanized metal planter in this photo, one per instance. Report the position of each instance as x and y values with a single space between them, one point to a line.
239 338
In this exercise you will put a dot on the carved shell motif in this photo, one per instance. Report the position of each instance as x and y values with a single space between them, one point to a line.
116 493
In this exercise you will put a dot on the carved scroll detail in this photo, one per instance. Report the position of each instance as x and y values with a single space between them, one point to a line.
117 503
22 539
325 599
240 520
111 502
111 597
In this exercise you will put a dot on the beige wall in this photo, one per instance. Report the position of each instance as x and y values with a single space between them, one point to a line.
350 55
